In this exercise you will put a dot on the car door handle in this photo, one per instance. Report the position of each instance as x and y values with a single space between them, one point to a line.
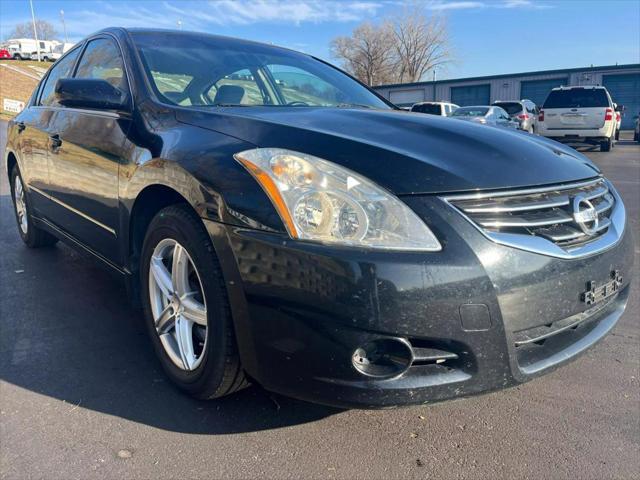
20 126
56 141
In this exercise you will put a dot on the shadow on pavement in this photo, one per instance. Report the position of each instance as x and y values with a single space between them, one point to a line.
68 332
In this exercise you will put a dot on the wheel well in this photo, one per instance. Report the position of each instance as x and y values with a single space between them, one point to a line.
148 203
11 162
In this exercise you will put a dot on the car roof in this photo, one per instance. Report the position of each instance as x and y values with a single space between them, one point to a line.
577 87
224 41
433 103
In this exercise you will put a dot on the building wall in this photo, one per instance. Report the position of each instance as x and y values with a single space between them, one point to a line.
502 88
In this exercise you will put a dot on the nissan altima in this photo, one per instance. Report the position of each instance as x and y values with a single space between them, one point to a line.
280 223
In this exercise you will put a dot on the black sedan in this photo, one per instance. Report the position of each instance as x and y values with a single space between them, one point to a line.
281 223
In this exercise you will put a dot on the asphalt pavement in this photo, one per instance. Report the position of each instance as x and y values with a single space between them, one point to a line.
82 396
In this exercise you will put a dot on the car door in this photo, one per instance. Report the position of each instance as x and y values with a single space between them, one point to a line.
35 129
84 158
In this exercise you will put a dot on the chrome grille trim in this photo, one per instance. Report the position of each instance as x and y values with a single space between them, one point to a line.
541 220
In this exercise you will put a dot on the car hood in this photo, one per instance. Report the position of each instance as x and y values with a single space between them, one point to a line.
407 153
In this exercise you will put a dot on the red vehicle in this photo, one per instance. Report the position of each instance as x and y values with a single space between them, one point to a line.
4 53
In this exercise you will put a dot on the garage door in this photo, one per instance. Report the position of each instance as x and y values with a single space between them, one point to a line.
471 95
625 90
537 90
406 98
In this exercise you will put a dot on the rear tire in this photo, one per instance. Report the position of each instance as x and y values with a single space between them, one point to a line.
209 366
607 145
32 235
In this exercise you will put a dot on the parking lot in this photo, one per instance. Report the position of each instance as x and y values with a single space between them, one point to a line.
82 395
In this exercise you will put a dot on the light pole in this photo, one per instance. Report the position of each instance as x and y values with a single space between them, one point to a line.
64 27
179 24
35 32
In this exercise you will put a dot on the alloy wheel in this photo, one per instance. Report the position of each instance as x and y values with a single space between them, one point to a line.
20 205
178 305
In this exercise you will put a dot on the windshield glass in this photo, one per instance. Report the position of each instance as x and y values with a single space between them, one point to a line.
201 70
577 98
433 109
512 108
470 112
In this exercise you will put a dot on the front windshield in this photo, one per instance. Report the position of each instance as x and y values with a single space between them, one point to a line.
201 70
470 112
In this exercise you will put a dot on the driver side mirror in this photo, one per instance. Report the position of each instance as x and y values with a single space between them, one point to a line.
619 108
92 93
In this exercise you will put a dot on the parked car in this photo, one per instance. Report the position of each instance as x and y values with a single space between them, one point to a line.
443 109
485 115
524 112
271 235
4 53
579 115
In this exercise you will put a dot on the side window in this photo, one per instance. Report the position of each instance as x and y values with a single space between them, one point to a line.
101 59
61 69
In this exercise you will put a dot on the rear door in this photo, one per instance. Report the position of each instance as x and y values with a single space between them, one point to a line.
84 162
579 108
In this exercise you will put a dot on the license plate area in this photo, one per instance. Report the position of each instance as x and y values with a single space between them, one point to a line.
597 292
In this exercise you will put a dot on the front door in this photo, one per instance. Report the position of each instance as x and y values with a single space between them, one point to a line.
35 125
84 157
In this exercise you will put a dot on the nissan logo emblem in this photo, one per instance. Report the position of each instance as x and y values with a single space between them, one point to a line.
585 215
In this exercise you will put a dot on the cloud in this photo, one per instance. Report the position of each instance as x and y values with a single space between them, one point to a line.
443 5
456 5
231 12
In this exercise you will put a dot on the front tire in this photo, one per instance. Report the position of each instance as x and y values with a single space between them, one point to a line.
186 306
32 236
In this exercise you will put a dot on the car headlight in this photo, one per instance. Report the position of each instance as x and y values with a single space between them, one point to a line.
324 202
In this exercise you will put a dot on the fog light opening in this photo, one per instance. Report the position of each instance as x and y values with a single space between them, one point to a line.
384 358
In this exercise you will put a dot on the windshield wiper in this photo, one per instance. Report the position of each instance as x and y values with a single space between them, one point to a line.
352 105
224 105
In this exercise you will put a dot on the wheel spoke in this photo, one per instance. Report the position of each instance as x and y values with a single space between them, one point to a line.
194 310
179 270
161 276
166 320
184 338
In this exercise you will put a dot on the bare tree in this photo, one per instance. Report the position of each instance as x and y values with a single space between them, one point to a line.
420 44
367 53
402 49
46 31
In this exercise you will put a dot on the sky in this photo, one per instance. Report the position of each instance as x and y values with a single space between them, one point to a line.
488 37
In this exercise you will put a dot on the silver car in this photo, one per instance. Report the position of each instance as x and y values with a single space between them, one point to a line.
486 115
525 112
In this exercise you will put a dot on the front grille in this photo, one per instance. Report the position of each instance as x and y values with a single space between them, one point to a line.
551 212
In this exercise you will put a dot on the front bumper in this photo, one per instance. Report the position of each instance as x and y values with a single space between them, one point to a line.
301 310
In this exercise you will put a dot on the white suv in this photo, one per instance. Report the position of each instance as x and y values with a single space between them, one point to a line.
443 109
579 115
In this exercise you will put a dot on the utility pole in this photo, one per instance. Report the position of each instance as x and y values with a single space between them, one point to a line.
64 27
35 31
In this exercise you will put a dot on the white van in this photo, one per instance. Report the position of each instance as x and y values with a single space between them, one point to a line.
579 115
27 48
